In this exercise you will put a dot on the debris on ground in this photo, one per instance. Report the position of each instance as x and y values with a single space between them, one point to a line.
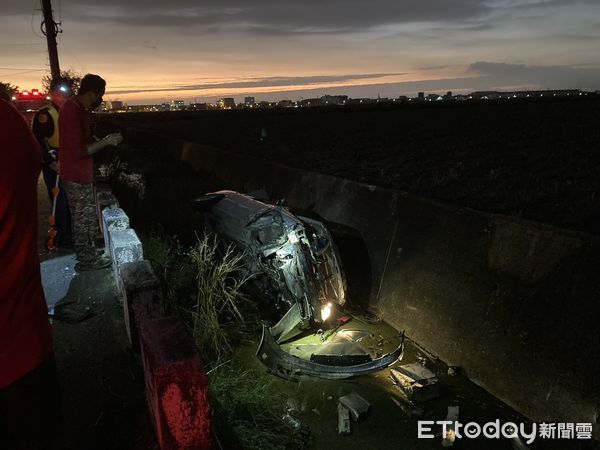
408 407
72 313
291 420
355 404
344 422
417 382
450 437
341 321
453 370
347 347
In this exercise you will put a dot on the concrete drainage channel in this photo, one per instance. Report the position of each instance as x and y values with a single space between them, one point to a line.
176 383
177 387
464 284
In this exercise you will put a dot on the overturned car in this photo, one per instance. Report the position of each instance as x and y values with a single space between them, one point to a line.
295 265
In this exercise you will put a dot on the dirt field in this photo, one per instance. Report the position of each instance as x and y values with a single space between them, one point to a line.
538 160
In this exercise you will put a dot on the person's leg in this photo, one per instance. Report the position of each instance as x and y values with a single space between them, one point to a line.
30 411
78 197
49 180
85 226
63 218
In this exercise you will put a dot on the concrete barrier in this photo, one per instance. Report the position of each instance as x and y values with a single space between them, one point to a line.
112 219
142 300
515 303
176 386
125 247
176 382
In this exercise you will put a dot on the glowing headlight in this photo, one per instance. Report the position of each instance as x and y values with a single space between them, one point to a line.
325 312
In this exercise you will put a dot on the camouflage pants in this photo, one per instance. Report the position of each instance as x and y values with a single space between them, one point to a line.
82 202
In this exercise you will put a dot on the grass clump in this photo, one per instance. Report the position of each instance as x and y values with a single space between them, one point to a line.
248 404
204 287
219 283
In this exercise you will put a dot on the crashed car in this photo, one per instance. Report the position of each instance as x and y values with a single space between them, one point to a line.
291 259
294 263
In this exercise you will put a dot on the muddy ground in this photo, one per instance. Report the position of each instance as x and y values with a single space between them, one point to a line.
538 160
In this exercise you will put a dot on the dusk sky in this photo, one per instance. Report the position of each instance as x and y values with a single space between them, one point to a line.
153 51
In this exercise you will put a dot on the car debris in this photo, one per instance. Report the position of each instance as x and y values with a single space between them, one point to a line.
452 416
417 382
348 347
291 367
355 404
343 320
344 422
453 370
292 260
408 407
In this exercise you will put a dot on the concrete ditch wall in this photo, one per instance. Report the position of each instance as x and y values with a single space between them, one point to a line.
513 303
176 383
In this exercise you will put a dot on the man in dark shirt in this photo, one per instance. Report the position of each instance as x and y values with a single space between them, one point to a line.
46 130
77 171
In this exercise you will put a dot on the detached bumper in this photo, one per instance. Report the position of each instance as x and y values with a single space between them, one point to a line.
291 367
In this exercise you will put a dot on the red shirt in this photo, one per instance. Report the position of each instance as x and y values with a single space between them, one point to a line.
74 131
25 333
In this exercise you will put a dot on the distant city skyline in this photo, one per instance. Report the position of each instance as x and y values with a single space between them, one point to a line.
154 52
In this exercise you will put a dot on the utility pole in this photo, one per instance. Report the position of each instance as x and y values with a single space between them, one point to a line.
51 30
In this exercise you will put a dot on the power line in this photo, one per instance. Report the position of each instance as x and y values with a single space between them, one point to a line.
10 74
32 15
20 44
19 68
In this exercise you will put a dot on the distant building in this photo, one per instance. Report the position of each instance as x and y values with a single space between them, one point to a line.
144 108
485 95
421 96
434 97
310 102
226 103
177 105
334 99
360 101
198 106
249 102
115 105
285 103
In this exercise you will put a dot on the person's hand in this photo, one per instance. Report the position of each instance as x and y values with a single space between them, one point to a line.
114 139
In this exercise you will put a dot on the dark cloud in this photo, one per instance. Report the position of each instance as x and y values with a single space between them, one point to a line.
255 83
544 77
150 45
278 16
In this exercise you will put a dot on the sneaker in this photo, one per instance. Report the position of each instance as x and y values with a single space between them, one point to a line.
96 264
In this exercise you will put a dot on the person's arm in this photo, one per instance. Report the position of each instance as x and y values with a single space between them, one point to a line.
110 139
43 128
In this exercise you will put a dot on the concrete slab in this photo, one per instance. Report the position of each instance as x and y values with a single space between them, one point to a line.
125 248
57 274
113 219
